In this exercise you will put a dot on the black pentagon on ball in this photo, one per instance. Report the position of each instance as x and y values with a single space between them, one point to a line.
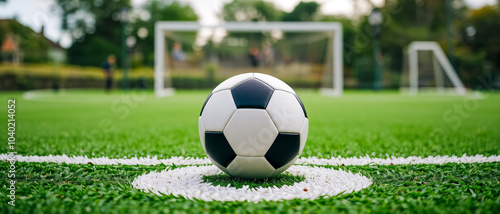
204 104
252 93
218 148
284 149
301 105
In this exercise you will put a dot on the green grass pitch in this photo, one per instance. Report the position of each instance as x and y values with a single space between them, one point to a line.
133 124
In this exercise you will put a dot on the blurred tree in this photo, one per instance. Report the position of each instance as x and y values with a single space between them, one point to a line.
154 11
311 51
33 45
349 31
413 20
485 23
244 10
304 11
95 28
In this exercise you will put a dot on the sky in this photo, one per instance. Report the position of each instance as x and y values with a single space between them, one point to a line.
38 13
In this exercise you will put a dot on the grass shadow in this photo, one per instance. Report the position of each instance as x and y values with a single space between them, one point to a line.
278 181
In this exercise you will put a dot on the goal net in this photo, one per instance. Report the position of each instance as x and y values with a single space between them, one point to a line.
303 54
427 70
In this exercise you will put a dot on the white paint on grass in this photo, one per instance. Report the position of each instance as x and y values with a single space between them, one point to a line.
75 95
188 182
180 161
334 161
367 160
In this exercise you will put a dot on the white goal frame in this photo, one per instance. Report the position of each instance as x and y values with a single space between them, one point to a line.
440 58
162 27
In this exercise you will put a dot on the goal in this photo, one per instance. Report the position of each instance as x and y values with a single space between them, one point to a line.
319 34
427 70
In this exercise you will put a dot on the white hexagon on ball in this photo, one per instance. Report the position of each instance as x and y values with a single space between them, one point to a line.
250 167
218 110
250 132
286 112
274 82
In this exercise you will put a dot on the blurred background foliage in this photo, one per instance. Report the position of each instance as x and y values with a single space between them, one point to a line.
96 31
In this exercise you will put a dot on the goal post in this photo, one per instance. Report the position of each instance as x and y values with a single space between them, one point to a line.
163 86
440 72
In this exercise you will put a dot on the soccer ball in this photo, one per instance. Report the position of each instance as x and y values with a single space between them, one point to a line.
253 126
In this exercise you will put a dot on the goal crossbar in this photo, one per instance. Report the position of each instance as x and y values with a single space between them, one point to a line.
162 27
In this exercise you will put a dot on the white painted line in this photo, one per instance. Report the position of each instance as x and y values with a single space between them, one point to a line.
108 161
72 95
335 161
367 160
188 182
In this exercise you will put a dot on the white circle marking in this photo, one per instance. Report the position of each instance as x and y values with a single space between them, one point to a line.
188 182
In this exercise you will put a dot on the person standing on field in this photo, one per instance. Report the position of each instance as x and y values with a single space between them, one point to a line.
107 67
253 53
